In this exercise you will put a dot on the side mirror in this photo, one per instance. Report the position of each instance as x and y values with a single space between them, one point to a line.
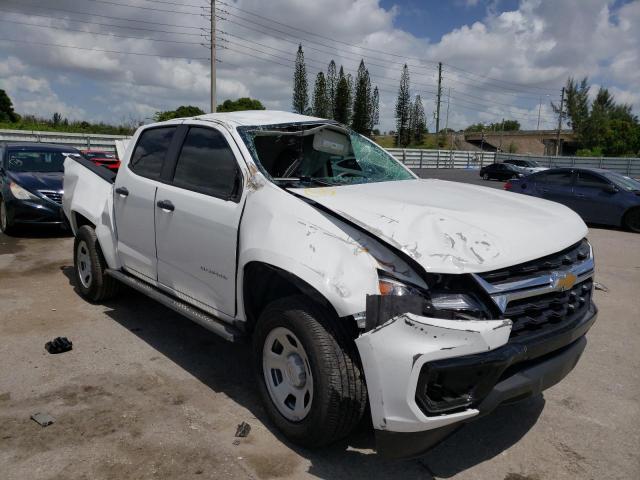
610 188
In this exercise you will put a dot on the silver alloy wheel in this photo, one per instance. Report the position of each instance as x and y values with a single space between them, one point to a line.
83 260
287 374
3 217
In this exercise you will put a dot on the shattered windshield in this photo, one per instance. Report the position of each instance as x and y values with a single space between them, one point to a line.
320 155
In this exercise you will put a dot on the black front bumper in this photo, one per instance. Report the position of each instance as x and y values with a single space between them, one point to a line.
516 371
31 212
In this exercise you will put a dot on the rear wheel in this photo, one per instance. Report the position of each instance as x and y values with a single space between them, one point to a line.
632 220
5 225
309 372
90 266
485 176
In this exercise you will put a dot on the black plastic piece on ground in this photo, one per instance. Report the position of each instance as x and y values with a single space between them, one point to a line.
243 430
58 345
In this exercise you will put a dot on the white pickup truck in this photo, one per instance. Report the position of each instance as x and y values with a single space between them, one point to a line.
357 283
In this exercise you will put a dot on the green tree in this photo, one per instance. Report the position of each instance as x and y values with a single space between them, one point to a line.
321 105
510 125
180 112
374 117
6 108
577 105
332 87
418 121
403 110
300 85
361 122
341 113
241 104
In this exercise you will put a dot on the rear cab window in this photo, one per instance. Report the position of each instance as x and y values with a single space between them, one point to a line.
151 150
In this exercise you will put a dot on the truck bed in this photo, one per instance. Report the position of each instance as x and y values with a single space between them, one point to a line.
88 199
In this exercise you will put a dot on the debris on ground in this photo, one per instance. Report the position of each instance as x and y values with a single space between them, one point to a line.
236 442
599 286
43 419
58 345
243 430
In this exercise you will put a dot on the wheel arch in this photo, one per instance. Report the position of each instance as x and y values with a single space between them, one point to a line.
263 283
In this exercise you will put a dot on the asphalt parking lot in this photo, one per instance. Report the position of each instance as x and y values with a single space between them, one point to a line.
146 393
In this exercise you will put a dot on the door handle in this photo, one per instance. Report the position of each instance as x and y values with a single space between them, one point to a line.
122 191
580 195
166 205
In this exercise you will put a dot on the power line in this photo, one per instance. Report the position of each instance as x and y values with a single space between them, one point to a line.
303 39
89 14
99 24
66 29
107 2
523 86
14 40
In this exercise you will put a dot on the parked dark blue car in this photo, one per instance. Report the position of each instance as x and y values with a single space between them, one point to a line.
598 196
31 184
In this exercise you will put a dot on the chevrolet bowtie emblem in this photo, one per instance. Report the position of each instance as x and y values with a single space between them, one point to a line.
563 280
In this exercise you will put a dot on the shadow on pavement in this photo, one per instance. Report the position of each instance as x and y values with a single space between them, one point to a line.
38 231
227 368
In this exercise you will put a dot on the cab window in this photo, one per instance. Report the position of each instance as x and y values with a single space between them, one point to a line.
150 151
206 164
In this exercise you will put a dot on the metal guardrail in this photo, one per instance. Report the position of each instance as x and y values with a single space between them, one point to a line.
629 166
78 140
421 158
412 158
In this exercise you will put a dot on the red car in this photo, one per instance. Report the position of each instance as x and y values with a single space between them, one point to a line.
103 158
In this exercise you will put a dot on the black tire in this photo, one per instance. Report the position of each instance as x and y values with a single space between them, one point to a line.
631 220
99 286
485 176
339 391
5 226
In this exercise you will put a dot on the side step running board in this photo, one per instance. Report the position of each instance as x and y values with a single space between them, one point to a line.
203 319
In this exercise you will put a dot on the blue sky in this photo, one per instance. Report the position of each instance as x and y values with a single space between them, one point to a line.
501 56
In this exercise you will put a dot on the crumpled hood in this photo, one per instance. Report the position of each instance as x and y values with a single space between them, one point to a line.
451 227
36 181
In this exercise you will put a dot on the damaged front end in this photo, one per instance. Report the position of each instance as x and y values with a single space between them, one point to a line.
435 361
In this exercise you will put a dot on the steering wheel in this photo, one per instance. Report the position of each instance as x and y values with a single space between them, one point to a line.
351 173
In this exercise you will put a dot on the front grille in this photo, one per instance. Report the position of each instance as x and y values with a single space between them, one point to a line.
557 261
532 294
534 314
55 196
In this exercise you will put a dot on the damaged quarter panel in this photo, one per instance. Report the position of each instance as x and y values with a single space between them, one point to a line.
394 353
339 261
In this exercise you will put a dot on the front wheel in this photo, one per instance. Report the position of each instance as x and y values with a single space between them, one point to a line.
89 267
5 226
632 220
309 373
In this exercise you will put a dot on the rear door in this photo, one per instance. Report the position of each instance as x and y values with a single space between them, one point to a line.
197 217
134 201
593 202
556 186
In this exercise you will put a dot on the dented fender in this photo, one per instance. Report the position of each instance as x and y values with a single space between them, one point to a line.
393 354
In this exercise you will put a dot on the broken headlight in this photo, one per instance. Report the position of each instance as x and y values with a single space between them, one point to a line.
439 302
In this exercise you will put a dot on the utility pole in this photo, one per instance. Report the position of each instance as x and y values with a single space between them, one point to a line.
439 95
446 125
560 123
501 133
539 107
213 56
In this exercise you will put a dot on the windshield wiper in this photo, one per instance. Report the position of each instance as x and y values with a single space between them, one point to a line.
296 181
